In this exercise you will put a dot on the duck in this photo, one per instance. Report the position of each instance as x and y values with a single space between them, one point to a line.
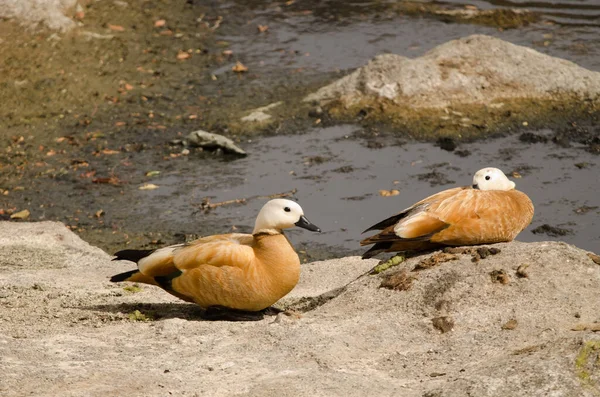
235 271
491 210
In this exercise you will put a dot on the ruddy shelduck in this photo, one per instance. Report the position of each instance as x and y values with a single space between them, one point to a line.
489 211
245 272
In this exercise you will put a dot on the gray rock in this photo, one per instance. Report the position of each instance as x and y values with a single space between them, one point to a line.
261 114
208 140
74 336
474 70
50 13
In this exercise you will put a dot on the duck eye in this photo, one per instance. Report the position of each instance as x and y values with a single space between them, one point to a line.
287 209
487 177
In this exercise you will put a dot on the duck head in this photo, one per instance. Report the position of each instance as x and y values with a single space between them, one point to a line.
492 179
281 214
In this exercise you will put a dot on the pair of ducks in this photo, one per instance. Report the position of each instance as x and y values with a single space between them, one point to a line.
250 272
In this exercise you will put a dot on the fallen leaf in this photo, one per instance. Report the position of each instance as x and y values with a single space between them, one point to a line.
148 186
227 52
515 174
128 87
239 67
20 215
160 23
110 151
262 28
120 124
116 28
113 180
51 153
595 258
152 173
99 213
181 55
389 193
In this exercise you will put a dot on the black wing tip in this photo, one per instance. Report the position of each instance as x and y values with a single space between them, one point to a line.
378 248
122 276
132 255
166 282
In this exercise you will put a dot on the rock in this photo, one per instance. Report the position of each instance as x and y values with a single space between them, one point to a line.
260 114
490 79
477 70
452 333
553 231
208 140
50 13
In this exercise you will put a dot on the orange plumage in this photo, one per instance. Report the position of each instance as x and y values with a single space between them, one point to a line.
459 216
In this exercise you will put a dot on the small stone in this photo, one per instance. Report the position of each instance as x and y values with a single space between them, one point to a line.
522 271
510 324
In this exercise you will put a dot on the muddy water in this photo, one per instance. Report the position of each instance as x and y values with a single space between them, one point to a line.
338 180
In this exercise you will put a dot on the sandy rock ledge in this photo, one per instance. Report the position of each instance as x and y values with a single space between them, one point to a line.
65 330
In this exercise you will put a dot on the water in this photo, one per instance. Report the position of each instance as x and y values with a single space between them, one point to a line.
338 179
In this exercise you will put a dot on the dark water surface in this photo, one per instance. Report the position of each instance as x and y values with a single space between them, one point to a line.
338 181
341 192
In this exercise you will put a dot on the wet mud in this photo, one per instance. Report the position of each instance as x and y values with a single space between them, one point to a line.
87 120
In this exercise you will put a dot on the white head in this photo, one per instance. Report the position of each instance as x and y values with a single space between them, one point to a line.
492 179
280 214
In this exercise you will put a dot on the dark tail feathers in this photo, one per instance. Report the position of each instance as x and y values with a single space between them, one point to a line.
376 249
123 276
132 255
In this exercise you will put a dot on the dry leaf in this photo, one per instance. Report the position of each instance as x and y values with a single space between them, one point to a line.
113 180
148 186
120 124
181 55
239 67
389 193
20 215
515 174
116 28
227 52
99 213
152 173
160 23
110 151
262 28
128 87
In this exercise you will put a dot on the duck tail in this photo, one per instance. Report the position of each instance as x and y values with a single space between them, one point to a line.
132 255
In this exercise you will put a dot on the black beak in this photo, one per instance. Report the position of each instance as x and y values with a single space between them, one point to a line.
475 186
305 224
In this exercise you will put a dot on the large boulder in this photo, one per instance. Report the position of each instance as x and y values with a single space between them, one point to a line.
455 328
473 74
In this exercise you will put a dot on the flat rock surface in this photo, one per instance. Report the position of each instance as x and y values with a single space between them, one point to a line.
477 69
65 330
